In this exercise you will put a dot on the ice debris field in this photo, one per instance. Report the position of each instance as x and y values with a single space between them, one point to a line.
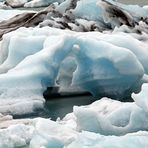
95 46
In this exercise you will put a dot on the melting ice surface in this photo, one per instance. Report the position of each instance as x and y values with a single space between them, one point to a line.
112 63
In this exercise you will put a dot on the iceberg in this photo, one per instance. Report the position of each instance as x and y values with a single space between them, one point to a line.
112 117
28 3
16 3
8 14
141 98
113 72
91 140
65 46
109 117
15 136
105 64
41 3
105 15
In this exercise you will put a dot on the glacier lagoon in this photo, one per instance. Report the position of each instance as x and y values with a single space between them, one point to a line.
104 54
135 2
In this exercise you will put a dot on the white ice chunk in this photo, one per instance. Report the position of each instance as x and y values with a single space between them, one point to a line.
92 140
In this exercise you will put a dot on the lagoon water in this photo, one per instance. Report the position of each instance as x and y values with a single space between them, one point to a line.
134 2
59 107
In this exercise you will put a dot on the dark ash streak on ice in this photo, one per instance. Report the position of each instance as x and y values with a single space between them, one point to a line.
113 16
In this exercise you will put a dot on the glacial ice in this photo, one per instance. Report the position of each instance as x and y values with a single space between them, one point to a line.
7 14
41 3
91 140
66 16
26 3
16 136
143 103
109 119
16 3
117 38
111 63
40 52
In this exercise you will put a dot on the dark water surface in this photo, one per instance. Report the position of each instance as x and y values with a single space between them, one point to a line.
59 107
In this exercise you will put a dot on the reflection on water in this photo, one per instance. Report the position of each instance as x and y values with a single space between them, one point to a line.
61 106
